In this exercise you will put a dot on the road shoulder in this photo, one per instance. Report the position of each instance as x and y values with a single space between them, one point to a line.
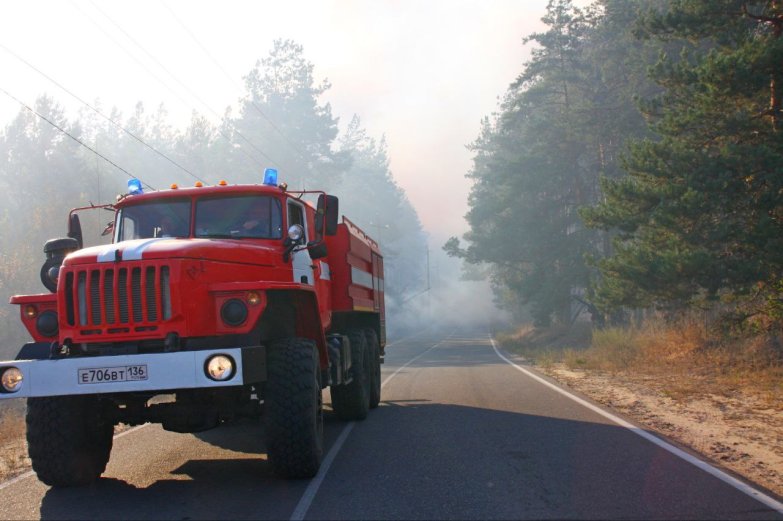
740 432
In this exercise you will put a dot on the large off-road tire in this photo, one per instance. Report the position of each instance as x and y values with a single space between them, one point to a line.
375 367
352 401
69 440
293 407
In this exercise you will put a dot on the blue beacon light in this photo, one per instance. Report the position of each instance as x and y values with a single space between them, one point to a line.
270 176
134 187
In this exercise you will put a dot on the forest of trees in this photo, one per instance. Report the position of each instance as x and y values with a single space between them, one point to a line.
637 163
281 121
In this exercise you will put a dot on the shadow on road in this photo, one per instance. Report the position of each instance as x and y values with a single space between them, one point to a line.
416 459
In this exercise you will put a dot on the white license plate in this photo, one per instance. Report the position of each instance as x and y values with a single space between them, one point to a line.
102 375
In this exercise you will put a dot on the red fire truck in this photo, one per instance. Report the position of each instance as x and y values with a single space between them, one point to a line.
229 299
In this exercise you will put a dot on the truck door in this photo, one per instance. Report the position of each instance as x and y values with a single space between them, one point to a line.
302 263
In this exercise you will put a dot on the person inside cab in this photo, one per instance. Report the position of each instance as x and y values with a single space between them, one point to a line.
168 228
262 219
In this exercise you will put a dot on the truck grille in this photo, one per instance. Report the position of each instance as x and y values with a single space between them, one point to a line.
135 296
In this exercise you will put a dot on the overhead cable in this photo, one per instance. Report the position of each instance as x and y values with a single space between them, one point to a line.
254 160
234 82
181 84
82 143
128 132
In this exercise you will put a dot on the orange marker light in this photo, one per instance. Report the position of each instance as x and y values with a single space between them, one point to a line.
222 182
174 186
30 311
199 184
253 298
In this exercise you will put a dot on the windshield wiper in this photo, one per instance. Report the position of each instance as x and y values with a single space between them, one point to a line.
216 236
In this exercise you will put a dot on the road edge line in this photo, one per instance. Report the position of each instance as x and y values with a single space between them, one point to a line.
701 464
300 511
312 488
410 362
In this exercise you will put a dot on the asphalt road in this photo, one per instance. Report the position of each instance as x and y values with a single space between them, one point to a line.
461 433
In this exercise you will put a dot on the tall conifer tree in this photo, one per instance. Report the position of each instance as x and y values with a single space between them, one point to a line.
700 213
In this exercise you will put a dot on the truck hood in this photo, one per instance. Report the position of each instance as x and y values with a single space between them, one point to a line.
221 250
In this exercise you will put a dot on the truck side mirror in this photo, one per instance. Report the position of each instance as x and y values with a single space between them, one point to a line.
326 214
317 250
75 229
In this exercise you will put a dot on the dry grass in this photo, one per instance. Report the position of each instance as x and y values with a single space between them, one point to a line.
13 447
546 346
13 442
684 358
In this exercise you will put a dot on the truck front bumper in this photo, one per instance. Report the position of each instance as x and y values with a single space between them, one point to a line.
133 373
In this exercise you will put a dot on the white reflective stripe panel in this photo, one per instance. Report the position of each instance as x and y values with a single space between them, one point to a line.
180 370
303 267
326 273
364 278
361 277
107 254
131 250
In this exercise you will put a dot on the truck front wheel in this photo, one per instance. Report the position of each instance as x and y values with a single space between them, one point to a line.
68 439
293 407
352 401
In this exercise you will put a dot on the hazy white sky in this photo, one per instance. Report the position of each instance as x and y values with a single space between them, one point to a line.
422 72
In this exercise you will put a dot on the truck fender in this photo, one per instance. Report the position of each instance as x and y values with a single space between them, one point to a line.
35 351
308 322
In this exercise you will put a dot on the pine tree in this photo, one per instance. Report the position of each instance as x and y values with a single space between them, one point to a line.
560 127
281 122
699 215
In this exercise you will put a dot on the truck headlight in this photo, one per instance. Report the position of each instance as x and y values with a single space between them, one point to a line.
233 312
47 323
11 379
295 232
220 368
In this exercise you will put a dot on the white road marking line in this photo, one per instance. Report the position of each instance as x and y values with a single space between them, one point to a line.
409 363
420 332
312 489
307 498
132 429
31 473
17 479
706 467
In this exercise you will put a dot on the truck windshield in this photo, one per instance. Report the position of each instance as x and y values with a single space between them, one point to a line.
169 218
238 217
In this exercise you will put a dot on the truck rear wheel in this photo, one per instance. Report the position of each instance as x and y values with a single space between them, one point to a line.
293 406
68 439
352 401
375 367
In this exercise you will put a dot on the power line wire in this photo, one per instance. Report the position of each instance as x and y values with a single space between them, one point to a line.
254 160
234 82
181 84
82 143
131 134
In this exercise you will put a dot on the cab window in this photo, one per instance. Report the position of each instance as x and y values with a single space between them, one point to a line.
165 218
239 217
296 215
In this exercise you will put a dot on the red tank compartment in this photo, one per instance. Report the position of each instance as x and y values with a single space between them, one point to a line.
356 268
